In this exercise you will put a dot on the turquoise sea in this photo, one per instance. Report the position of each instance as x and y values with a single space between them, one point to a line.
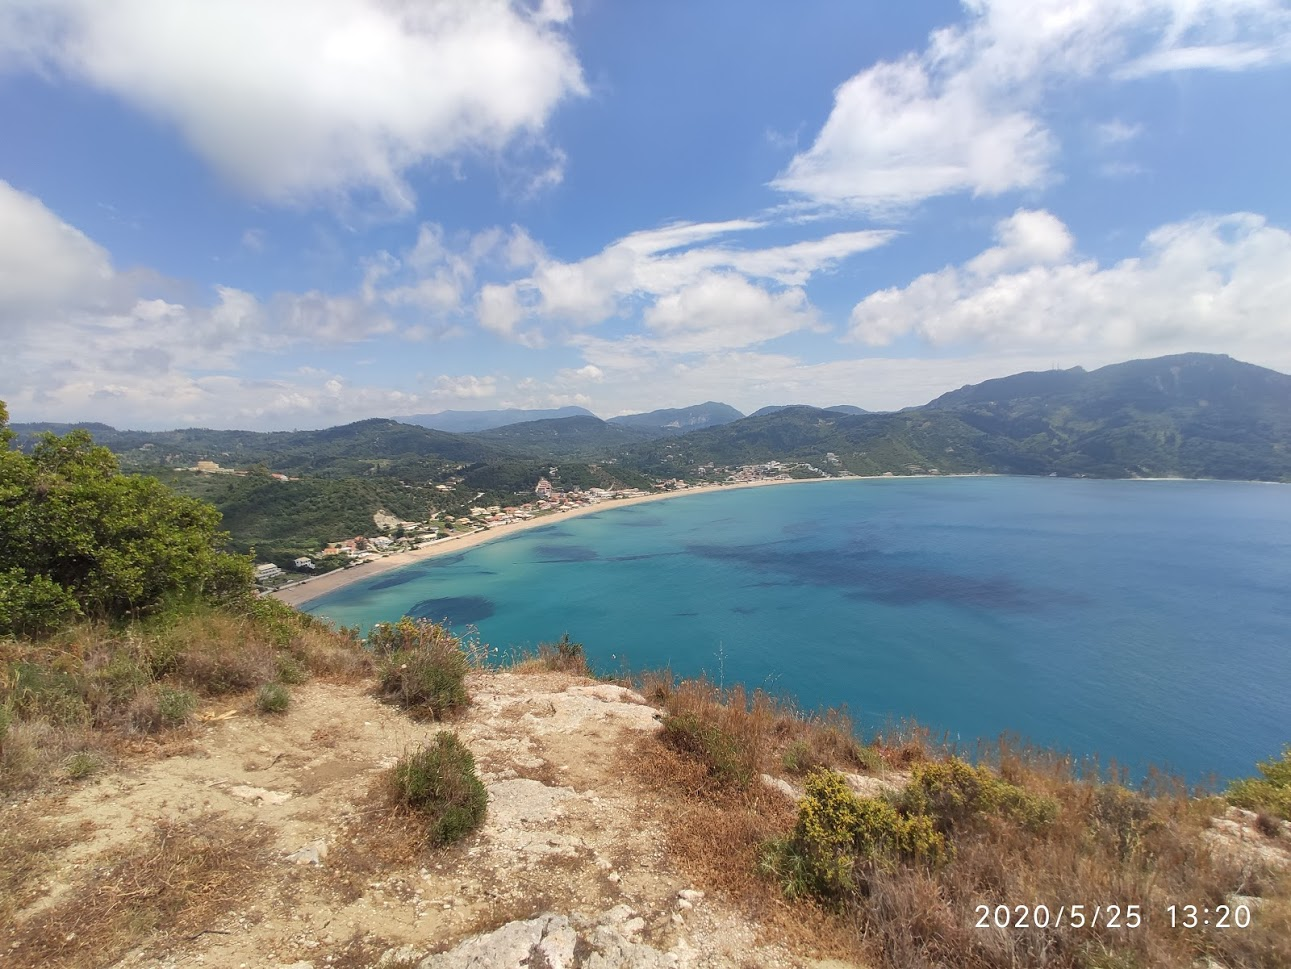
1147 622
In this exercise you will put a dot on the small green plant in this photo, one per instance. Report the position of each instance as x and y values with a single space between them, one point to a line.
439 782
797 758
1270 793
566 656
729 762
291 671
422 666
272 698
81 765
174 707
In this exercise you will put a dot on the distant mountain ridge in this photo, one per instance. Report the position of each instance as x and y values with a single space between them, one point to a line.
1186 415
681 420
563 437
465 421
836 408
1189 415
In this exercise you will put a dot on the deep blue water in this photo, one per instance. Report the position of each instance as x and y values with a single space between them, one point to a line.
1142 621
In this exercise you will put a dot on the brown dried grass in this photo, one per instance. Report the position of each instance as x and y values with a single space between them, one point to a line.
177 882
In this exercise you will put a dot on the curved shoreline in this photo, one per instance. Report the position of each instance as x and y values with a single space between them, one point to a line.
307 590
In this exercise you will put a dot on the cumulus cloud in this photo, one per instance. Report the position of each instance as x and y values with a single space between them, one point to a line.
47 264
1218 283
962 115
299 99
694 290
464 387
726 311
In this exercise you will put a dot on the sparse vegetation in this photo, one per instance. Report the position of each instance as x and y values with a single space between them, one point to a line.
439 783
561 656
273 698
177 879
422 666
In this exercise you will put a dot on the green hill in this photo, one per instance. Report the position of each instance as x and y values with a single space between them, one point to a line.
1190 415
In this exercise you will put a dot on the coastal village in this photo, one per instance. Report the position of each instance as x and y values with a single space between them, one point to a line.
393 535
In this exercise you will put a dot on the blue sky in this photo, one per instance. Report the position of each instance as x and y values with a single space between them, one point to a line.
306 212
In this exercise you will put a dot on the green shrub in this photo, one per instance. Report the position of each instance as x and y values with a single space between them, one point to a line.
175 706
272 698
80 539
422 666
1270 793
729 762
48 692
81 765
439 782
953 793
291 671
838 834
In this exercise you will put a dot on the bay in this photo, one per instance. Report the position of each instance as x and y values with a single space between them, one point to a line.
1146 622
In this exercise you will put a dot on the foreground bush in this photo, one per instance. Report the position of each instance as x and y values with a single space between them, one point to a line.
439 782
79 539
839 837
422 666
912 876
1269 793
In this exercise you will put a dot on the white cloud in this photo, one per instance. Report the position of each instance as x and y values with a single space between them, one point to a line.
681 268
722 311
1212 283
1116 132
298 99
46 264
464 387
1025 238
962 116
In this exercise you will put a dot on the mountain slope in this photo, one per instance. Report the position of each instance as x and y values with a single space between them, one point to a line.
466 421
1192 415
680 420
563 437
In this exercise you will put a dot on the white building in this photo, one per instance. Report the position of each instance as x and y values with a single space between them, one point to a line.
267 571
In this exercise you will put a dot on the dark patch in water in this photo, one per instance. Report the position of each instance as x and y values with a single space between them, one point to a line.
399 578
744 610
636 522
642 555
866 573
458 610
565 553
685 614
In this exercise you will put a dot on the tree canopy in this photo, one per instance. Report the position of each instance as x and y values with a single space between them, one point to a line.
79 539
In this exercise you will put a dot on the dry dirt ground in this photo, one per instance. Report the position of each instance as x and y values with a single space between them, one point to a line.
321 873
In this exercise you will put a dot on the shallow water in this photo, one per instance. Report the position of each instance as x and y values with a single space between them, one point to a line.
1142 621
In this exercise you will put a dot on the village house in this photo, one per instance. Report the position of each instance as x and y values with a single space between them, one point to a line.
304 562
543 490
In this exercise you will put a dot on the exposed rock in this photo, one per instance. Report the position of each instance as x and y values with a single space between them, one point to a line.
546 942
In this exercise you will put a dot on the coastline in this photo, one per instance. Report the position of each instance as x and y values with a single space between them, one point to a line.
307 590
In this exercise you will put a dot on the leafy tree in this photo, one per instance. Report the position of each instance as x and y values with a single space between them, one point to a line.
80 539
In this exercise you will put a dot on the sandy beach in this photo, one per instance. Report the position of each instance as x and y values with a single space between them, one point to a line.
299 593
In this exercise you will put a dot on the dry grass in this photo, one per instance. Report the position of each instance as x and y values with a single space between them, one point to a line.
740 735
181 880
86 689
561 656
28 843
1103 845
716 835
